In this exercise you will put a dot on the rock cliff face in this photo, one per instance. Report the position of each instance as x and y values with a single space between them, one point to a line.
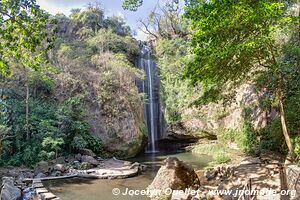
206 120
111 99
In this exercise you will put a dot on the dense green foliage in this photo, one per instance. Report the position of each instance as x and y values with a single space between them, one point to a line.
60 93
132 4
87 90
228 44
24 35
176 92
52 129
233 41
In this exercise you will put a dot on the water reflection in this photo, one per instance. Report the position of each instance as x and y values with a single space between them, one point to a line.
80 189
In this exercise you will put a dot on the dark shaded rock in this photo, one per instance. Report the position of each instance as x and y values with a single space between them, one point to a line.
28 174
78 157
176 175
9 190
40 175
56 173
210 174
179 132
70 159
76 164
42 167
60 160
90 159
87 152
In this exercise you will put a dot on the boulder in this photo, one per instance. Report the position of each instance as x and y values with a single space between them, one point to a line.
76 165
40 175
127 163
175 175
9 190
78 157
86 166
13 173
60 160
211 174
70 159
55 173
90 159
28 174
42 167
135 165
87 152
59 167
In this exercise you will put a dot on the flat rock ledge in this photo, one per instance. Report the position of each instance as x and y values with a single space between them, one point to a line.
106 169
32 186
111 169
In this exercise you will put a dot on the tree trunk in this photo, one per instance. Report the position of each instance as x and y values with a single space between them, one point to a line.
283 124
27 107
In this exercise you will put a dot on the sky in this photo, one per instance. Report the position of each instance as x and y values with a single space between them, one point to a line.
111 7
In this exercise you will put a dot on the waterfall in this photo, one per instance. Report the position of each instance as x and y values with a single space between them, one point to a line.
149 86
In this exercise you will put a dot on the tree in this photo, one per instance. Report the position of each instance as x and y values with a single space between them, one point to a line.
92 17
23 34
233 41
25 39
165 22
52 144
132 4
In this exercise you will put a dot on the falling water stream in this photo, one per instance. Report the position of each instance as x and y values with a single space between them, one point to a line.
78 189
150 88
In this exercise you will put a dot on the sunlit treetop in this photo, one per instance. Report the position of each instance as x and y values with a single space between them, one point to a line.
132 4
25 35
231 38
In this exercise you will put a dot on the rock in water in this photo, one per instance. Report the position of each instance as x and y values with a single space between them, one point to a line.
9 190
90 159
175 175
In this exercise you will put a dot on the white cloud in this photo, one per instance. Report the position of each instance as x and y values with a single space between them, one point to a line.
52 8
61 6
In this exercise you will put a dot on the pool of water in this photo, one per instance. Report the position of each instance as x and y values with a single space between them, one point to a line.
80 189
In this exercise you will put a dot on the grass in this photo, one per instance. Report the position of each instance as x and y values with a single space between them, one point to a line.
217 151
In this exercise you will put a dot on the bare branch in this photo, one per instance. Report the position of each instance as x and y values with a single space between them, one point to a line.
146 29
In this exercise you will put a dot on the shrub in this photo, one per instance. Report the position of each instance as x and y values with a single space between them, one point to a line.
52 145
296 143
217 151
245 137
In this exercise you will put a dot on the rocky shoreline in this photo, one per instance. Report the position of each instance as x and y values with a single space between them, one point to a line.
259 173
26 184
